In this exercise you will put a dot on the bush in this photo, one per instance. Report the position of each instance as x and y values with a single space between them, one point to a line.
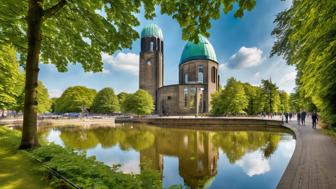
89 173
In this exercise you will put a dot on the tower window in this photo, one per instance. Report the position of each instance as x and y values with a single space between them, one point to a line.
200 74
185 97
151 46
169 97
213 74
186 78
149 63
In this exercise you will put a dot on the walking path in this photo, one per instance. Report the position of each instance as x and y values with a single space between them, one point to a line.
313 165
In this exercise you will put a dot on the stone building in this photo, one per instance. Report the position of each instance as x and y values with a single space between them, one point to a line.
198 75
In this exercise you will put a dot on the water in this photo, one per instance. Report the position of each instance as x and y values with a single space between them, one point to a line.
191 158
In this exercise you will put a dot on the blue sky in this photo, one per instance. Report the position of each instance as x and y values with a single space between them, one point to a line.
242 47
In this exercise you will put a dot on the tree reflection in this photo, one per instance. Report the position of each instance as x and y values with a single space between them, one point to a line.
197 151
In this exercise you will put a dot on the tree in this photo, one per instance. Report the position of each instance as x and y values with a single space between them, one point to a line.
140 103
63 31
306 38
9 77
75 99
284 102
105 102
44 103
232 100
251 94
121 97
271 96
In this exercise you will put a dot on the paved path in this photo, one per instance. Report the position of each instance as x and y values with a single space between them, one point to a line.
313 165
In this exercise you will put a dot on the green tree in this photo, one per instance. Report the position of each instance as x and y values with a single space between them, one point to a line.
306 38
105 102
75 99
251 94
140 103
43 102
284 102
9 77
231 100
121 97
63 31
271 96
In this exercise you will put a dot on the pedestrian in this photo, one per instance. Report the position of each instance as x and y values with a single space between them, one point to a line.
303 118
298 117
286 116
314 119
290 116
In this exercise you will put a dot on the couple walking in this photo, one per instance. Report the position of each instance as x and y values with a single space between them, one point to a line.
301 118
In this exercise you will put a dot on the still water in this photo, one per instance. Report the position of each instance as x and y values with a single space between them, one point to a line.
191 158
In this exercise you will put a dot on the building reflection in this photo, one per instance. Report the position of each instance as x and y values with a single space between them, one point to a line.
197 151
197 156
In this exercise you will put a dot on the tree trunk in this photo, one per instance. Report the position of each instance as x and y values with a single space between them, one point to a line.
34 20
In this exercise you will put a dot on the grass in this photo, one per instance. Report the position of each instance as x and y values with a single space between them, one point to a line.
330 132
16 166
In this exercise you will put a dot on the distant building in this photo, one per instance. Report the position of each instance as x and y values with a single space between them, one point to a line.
198 75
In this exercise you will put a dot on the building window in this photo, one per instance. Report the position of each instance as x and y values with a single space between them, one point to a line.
149 63
213 74
169 97
151 46
186 78
200 74
185 97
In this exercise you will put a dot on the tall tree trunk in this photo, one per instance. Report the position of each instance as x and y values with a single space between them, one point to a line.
34 20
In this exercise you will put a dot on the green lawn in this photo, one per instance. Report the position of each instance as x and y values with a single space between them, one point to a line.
16 167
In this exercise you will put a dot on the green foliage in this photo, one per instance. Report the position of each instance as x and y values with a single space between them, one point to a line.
105 102
271 96
75 99
43 100
9 74
230 100
284 102
89 173
306 37
77 31
121 97
238 97
140 103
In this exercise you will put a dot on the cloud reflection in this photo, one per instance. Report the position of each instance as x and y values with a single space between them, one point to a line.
254 163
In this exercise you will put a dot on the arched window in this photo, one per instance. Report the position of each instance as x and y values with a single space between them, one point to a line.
213 74
151 46
200 74
149 63
186 78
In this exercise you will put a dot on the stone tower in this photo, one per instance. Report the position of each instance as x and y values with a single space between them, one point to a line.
151 61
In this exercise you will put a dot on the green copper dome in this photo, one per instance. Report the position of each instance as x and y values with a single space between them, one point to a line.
203 50
152 30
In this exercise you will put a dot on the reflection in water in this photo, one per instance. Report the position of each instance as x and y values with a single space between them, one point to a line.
197 152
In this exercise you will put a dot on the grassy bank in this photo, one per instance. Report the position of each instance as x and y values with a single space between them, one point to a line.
16 167
19 169
330 132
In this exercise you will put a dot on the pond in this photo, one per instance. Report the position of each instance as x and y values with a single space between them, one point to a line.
187 157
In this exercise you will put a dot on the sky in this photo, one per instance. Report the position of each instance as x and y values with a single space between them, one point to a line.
242 48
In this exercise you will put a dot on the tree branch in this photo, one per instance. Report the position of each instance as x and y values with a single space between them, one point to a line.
54 9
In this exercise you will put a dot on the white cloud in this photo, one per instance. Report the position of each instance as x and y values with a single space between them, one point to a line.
126 62
257 75
288 77
246 58
254 164
55 93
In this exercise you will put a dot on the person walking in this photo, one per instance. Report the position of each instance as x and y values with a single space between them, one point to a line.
314 119
298 114
290 116
286 116
303 118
